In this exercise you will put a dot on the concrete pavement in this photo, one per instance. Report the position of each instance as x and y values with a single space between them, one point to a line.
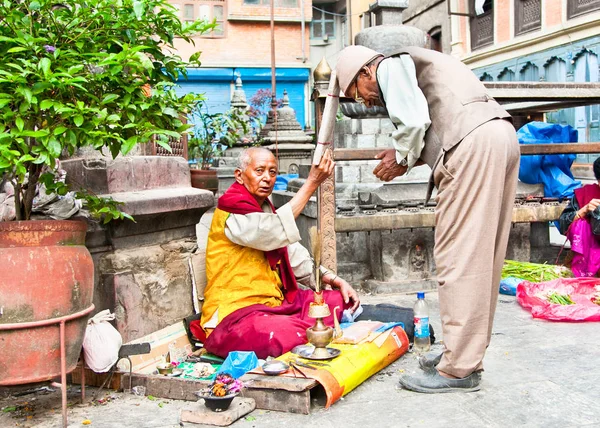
537 374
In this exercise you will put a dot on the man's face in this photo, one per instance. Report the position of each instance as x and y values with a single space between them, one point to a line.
364 89
259 177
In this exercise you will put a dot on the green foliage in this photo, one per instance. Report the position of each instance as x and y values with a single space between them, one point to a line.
215 132
79 73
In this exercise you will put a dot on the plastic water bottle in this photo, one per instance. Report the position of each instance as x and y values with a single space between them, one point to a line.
421 314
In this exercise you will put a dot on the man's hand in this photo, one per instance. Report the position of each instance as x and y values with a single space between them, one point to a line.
319 173
388 168
348 293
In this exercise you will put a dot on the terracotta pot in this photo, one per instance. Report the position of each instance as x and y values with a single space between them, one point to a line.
46 275
205 179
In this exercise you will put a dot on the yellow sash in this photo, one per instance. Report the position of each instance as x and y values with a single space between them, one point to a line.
237 276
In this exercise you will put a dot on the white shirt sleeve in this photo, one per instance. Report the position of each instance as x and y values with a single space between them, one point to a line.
406 106
263 231
302 264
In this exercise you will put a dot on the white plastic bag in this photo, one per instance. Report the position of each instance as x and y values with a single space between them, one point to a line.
101 343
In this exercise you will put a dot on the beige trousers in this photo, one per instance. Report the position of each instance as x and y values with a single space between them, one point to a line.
476 184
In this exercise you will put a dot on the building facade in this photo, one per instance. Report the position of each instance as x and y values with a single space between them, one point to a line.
241 45
522 40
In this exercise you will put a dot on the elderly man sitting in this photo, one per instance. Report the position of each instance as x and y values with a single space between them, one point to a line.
254 264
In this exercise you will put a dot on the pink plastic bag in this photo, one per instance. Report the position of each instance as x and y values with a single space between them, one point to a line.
530 295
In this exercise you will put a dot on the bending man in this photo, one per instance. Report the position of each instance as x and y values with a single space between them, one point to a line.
445 118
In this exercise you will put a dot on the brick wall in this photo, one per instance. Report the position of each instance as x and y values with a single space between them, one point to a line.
502 20
247 42
553 9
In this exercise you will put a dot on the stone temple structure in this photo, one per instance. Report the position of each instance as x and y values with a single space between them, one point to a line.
284 135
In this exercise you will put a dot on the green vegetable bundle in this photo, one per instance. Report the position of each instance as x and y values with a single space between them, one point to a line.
559 299
534 272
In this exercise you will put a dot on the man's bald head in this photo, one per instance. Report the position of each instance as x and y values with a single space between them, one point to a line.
257 172
245 157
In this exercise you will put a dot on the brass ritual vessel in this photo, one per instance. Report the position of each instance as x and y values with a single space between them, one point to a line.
319 335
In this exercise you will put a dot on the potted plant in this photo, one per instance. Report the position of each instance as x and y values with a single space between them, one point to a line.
73 74
213 133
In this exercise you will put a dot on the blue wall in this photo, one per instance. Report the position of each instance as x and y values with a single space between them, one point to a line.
218 83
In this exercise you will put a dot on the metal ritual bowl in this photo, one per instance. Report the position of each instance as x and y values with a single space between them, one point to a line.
165 368
308 351
275 367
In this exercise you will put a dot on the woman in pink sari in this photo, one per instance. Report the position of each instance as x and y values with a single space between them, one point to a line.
580 222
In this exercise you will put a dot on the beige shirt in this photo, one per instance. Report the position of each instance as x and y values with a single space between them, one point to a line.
271 230
406 106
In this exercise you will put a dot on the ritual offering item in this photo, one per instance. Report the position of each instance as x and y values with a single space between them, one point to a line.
219 395
319 335
275 367
165 368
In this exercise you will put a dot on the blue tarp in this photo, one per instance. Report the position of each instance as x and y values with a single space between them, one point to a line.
553 171
282 181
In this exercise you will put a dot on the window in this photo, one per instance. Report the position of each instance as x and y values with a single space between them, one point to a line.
486 77
435 36
506 75
529 73
580 7
528 15
323 22
278 3
192 10
482 23
587 118
555 70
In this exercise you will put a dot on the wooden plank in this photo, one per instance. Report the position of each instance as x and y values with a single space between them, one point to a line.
526 149
280 400
239 407
538 107
291 384
166 387
544 91
559 148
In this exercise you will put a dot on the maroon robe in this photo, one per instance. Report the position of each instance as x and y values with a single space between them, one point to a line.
268 331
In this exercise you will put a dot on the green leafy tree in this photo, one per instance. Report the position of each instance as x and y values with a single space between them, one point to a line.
215 132
87 73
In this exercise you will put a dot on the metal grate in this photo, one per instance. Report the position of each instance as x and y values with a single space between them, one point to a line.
528 15
580 7
482 29
178 147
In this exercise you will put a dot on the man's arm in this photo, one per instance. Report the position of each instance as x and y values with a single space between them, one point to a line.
263 231
407 109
